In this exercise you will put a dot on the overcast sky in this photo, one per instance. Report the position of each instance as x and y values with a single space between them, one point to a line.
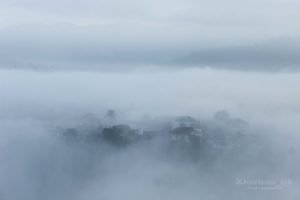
198 32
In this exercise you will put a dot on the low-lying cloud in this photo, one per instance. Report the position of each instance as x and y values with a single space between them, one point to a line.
37 162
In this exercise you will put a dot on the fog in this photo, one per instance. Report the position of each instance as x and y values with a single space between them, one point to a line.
149 99
39 160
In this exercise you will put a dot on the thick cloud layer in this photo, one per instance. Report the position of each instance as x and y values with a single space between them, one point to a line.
73 34
38 163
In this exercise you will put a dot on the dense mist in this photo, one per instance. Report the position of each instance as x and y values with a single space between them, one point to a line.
149 100
149 134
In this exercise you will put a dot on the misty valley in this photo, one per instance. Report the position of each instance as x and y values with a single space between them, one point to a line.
202 134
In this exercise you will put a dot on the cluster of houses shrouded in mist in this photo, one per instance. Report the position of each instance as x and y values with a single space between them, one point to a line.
185 135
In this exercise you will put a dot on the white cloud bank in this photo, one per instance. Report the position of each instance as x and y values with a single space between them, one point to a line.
36 165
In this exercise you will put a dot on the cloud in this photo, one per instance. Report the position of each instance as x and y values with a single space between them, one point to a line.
38 163
149 32
272 55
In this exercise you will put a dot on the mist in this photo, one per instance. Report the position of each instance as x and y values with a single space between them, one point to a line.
149 100
50 146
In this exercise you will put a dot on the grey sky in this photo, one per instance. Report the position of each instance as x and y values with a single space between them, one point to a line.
150 32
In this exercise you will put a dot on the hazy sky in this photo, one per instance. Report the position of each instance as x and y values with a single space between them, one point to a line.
150 32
